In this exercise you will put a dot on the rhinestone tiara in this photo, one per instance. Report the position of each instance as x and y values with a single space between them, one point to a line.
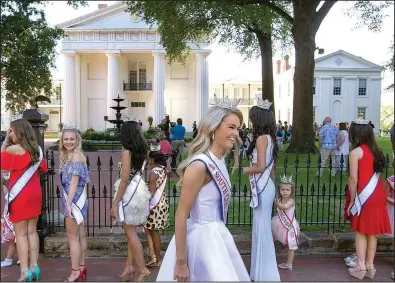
154 147
286 180
264 104
361 121
226 103
130 118
16 117
70 126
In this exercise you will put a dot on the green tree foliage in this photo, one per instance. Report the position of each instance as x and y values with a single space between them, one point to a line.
390 66
27 51
386 117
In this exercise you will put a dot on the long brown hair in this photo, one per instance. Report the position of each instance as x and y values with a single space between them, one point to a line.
27 139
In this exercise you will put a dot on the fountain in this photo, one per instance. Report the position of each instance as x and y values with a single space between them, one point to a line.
118 121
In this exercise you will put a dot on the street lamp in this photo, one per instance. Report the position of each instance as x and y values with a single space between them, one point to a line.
320 50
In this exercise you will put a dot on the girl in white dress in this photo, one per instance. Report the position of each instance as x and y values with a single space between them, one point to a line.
263 150
343 147
285 228
203 249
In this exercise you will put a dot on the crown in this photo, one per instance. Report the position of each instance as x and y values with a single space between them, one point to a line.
16 117
361 121
264 104
130 118
286 180
69 126
154 147
226 103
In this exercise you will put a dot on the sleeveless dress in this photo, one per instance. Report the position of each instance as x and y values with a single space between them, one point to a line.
279 231
212 253
373 218
263 254
158 218
69 170
29 201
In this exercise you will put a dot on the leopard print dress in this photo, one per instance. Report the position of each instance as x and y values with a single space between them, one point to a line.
158 218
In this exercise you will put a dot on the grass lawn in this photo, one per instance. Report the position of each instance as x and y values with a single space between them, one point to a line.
50 135
319 200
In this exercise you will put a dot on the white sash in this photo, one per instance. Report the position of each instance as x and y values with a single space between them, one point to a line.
221 180
127 197
22 182
365 194
76 208
292 234
154 201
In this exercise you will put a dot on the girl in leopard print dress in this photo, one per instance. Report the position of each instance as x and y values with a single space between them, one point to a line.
158 218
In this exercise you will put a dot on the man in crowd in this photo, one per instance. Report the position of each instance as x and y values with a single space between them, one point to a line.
327 140
164 127
177 139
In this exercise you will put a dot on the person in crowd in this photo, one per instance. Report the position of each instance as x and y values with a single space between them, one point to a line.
165 128
342 147
367 208
328 145
263 151
203 249
74 176
133 209
285 228
177 139
21 155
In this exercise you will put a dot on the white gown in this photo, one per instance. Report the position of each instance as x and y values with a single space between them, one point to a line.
212 253
263 254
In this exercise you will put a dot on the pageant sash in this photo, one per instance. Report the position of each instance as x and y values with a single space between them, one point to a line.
221 180
365 194
292 234
76 208
390 181
154 201
127 197
22 182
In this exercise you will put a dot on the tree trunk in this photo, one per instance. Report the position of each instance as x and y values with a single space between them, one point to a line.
265 44
303 33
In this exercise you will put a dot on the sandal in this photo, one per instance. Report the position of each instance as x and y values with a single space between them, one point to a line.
153 260
125 278
358 272
371 271
285 266
143 274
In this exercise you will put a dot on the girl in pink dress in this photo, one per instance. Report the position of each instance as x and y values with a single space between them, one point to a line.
285 228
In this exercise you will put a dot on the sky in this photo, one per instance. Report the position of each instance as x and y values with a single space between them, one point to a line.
337 31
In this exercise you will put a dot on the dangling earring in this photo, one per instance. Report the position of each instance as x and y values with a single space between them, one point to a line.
212 137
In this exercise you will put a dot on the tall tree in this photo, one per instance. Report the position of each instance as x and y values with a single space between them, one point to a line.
27 51
305 20
248 30
390 66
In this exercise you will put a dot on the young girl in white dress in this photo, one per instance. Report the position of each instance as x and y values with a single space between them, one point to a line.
263 152
285 228
203 248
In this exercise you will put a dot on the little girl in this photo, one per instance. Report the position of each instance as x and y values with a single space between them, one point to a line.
285 228
158 218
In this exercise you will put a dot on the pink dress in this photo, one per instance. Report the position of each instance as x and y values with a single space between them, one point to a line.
279 231
390 206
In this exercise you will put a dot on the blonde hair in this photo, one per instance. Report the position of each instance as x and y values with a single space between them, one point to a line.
64 157
211 120
292 196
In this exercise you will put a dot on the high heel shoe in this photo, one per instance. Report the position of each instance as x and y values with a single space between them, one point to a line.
371 271
143 274
36 272
84 271
152 261
77 279
358 272
28 277
126 276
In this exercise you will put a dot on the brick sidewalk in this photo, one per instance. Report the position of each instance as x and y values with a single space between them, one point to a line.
306 268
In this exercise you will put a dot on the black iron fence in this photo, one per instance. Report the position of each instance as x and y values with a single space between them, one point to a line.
319 195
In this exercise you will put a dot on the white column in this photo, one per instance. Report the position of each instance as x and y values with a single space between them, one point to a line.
70 98
112 83
202 84
159 86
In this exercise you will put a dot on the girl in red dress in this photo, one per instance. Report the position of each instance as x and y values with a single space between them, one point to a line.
366 160
20 152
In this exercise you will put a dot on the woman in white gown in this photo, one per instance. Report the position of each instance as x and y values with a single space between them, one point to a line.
203 249
263 150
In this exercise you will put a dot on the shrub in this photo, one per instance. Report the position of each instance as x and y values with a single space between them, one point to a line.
188 139
152 133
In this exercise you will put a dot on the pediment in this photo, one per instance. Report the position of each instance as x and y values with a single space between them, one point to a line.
344 60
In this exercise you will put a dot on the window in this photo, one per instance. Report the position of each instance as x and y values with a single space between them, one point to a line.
337 86
259 89
279 91
289 116
314 113
245 94
58 92
237 93
53 112
314 83
362 112
362 87
137 104
289 88
137 74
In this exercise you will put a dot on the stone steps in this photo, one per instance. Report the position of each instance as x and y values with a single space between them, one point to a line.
115 244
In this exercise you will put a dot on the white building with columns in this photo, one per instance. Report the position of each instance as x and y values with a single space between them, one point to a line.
345 87
109 52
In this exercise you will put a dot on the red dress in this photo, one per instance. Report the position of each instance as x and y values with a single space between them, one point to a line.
373 219
29 201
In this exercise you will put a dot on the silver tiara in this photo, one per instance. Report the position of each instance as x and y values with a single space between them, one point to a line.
264 104
16 117
286 180
154 147
226 103
361 121
70 126
130 118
